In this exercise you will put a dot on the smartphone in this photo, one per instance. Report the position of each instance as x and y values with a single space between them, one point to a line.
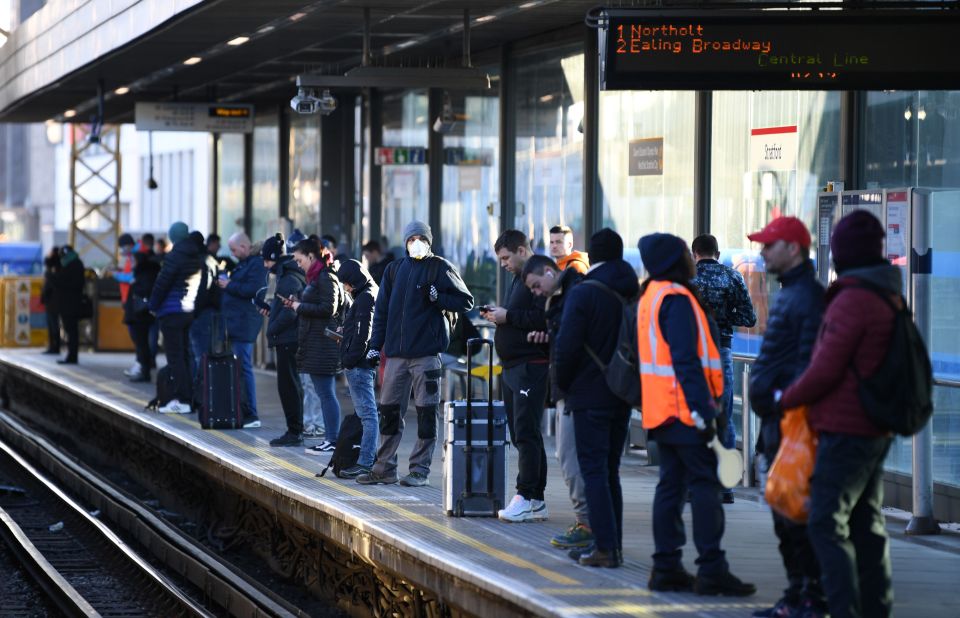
485 308
332 334
261 304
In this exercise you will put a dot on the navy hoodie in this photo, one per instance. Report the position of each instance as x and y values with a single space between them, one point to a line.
358 323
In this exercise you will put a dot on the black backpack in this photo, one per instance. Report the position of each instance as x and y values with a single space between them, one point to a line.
347 451
898 396
622 373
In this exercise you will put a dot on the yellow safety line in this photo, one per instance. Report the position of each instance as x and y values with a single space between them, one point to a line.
390 506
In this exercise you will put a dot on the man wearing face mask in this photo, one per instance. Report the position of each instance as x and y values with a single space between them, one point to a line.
410 327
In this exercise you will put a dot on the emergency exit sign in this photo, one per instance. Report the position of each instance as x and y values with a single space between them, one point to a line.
401 155
799 49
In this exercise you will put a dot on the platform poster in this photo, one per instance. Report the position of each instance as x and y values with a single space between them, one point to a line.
897 209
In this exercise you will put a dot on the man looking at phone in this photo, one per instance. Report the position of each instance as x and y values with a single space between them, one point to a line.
525 366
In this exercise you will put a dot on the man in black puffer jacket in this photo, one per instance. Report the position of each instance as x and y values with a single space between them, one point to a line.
282 336
410 326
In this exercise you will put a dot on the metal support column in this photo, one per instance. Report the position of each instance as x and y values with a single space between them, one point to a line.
852 107
592 197
95 173
214 182
248 184
703 112
283 123
435 168
374 133
508 151
746 428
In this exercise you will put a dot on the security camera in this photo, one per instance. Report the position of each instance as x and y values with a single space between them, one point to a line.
308 101
446 122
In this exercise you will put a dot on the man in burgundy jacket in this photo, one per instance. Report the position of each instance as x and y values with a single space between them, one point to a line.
846 526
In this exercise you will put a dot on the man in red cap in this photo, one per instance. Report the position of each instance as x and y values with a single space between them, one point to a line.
785 352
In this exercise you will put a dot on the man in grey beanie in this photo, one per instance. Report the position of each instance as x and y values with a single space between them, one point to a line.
411 327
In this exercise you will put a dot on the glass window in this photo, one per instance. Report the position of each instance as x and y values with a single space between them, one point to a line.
230 172
471 188
406 188
549 182
305 172
639 197
266 179
744 199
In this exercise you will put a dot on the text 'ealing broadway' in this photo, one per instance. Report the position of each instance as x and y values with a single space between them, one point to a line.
671 38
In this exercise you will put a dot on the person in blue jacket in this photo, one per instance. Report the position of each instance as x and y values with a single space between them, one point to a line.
242 318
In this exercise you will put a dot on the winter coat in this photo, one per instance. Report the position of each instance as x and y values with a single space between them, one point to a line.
48 291
68 287
177 284
525 313
577 260
358 321
724 294
209 295
243 320
554 315
377 270
321 307
856 332
145 271
406 324
282 323
592 316
786 348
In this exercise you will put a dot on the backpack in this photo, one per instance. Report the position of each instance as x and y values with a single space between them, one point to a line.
433 271
622 374
347 451
898 396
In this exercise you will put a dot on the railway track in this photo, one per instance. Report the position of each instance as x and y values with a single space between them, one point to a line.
84 567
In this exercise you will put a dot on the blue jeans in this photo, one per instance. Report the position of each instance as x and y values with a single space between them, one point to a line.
360 381
311 403
326 387
728 438
244 352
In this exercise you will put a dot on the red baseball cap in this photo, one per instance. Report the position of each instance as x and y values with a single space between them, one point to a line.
787 229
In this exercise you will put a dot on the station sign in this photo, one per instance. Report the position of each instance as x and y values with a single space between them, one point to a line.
779 50
461 156
204 117
773 149
646 157
400 155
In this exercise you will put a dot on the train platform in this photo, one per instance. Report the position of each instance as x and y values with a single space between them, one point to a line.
513 566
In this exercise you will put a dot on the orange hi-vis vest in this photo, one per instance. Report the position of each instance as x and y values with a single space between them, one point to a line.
662 396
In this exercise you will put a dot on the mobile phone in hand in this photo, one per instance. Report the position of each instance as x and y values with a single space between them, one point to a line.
486 308
332 334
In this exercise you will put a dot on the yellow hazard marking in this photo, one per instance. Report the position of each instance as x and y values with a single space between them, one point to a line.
504 556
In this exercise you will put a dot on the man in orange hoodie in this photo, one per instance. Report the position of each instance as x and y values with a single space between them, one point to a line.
561 249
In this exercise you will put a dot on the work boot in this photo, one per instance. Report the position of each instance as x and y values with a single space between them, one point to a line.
726 585
415 479
671 581
373 478
600 558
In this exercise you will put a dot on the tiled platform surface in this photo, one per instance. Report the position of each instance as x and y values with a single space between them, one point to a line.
513 561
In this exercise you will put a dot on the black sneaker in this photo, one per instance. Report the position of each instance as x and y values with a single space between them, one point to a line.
287 439
600 558
728 497
726 585
671 581
415 479
577 552
782 609
353 472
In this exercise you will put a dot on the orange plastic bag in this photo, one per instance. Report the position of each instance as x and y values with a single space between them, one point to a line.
788 480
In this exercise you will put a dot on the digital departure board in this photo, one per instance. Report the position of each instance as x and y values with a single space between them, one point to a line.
780 50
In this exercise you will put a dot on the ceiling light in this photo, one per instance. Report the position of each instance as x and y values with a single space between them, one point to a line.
192 60
297 16
907 114
122 90
529 5
70 113
485 19
240 40
921 113
546 98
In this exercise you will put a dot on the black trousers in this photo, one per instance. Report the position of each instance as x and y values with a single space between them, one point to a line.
140 332
600 435
289 387
53 330
524 391
71 326
176 343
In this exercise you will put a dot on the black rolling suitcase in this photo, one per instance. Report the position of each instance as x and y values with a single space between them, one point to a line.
475 466
220 385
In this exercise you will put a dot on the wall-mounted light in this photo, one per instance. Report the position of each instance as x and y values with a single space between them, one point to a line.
921 113
907 114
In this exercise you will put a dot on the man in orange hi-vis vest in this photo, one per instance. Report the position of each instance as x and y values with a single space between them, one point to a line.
681 375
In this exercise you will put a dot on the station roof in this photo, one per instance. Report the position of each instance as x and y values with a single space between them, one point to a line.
56 60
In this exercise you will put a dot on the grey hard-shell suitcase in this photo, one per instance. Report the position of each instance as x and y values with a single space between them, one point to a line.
474 450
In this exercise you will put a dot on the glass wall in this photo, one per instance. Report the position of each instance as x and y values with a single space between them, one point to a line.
744 198
646 165
230 172
406 190
266 178
471 188
304 156
549 182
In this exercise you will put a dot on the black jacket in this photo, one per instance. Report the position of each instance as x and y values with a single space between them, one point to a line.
48 292
209 294
358 322
68 288
554 314
321 307
179 280
525 313
145 271
592 316
792 328
282 323
405 323
377 270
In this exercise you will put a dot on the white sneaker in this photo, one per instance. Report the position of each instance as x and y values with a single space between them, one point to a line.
520 509
539 510
254 424
133 370
175 407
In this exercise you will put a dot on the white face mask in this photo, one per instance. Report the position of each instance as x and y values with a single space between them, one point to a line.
418 249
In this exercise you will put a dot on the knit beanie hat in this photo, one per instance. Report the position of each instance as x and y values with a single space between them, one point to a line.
273 248
660 252
178 231
417 228
857 241
295 237
125 240
605 245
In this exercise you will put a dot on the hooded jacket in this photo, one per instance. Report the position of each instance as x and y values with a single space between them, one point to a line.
243 320
282 323
592 316
321 307
209 293
406 324
554 314
68 283
179 280
577 260
358 322
856 332
525 313
145 271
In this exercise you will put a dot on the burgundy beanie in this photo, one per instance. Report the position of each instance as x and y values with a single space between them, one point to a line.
857 241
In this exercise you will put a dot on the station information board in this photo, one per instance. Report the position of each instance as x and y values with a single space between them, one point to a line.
780 50
206 117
